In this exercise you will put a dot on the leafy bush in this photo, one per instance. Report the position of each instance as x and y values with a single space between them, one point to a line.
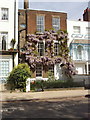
51 76
18 76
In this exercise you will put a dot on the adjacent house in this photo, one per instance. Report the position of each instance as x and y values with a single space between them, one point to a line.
39 21
79 42
8 37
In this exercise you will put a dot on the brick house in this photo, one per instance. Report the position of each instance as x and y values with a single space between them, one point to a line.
33 21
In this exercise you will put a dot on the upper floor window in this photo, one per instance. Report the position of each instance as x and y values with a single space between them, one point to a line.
56 49
56 23
79 52
3 43
3 40
76 29
4 13
87 30
40 23
41 48
39 70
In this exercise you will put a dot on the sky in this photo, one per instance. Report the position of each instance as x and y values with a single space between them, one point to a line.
73 8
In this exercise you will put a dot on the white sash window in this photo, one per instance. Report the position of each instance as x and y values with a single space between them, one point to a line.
4 13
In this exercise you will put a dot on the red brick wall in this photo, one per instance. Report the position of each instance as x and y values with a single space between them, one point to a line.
48 20
31 24
31 21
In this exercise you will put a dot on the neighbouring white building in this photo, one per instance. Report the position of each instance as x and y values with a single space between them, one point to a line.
79 44
8 31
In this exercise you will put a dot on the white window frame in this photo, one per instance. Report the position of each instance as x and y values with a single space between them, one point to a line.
40 21
56 53
56 23
41 70
87 30
76 29
4 60
7 13
79 57
51 69
1 35
40 49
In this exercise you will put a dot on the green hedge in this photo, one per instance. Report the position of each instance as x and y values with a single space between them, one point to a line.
55 84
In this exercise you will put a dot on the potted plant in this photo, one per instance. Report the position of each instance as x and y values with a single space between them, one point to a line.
13 41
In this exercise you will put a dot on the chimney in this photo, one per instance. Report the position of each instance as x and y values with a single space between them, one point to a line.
86 15
26 4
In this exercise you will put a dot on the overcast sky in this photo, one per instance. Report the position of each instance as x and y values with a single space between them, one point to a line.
73 9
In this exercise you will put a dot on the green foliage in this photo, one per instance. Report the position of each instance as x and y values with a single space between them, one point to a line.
55 84
50 76
18 76
38 84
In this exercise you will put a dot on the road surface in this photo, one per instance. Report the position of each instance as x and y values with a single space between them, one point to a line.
75 107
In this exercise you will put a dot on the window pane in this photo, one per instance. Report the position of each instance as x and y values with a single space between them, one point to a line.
87 30
40 23
3 41
56 49
4 68
76 29
79 52
41 48
38 71
56 23
4 14
51 69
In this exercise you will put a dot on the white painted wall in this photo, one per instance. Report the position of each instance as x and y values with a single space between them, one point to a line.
57 71
82 24
8 25
83 35
80 68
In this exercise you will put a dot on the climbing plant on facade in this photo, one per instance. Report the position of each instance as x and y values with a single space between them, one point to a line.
32 57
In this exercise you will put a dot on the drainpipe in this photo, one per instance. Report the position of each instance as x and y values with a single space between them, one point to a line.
14 27
15 19
26 6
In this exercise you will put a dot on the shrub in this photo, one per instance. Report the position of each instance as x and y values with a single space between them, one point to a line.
39 84
55 84
18 76
51 76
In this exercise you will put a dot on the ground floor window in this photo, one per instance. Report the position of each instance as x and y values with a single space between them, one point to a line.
39 70
88 69
51 69
4 69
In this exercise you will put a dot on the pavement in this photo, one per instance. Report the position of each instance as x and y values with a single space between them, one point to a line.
21 96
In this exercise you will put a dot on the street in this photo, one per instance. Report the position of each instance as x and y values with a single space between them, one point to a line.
74 107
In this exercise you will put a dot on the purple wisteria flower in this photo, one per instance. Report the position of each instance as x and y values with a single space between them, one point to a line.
58 60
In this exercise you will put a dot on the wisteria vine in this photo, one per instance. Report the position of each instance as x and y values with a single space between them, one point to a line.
31 53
